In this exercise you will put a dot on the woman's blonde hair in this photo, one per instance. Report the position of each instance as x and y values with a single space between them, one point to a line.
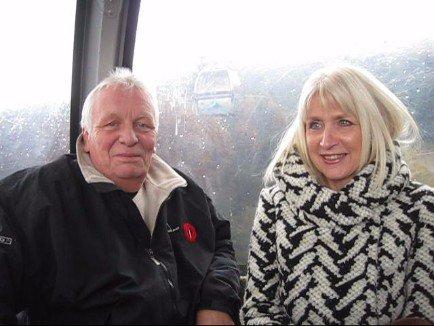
383 118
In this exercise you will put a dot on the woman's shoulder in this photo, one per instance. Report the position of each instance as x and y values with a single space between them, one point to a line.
419 191
270 194
269 198
422 198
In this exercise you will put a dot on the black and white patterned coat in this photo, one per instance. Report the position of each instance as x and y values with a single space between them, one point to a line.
357 256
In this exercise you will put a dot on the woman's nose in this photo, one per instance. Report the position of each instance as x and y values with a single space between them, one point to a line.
329 138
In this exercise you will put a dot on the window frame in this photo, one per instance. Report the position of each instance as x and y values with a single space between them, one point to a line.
96 51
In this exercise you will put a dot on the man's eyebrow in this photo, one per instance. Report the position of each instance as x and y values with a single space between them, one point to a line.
108 116
146 115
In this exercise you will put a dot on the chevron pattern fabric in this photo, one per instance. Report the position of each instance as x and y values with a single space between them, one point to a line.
362 255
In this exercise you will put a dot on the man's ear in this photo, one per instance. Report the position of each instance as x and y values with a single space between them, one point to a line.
86 141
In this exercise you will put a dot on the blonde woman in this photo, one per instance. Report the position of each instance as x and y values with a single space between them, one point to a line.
342 235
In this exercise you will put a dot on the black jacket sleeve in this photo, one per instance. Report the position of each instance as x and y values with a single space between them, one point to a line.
221 287
10 270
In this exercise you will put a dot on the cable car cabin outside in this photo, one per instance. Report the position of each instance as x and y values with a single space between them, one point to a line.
214 91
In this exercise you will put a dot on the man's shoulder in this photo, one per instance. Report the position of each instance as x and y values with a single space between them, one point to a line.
193 192
190 181
39 176
192 187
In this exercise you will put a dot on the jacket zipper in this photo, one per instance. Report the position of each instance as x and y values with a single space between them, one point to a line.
160 263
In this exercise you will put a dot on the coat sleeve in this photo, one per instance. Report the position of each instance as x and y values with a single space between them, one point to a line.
10 271
261 300
221 287
419 283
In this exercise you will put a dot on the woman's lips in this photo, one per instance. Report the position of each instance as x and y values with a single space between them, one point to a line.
333 158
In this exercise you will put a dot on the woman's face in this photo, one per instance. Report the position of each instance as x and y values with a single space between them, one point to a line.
334 142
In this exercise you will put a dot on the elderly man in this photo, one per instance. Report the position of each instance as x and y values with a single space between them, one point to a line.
114 235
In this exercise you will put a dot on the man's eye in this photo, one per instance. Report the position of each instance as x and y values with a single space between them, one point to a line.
112 124
143 126
314 125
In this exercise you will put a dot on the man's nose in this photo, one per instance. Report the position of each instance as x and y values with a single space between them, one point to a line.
128 136
329 137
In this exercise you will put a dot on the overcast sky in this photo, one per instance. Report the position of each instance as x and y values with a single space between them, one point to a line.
174 36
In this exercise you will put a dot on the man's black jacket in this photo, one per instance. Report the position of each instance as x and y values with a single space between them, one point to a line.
73 252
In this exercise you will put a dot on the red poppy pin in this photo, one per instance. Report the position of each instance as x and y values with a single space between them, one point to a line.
189 232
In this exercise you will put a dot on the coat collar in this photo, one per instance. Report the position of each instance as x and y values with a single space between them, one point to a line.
348 206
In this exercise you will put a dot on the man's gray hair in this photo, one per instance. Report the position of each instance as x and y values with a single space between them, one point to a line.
119 77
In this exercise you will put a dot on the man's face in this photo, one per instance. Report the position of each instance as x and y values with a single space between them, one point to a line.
123 138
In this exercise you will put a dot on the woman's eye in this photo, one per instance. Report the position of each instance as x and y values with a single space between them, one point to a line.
314 125
345 122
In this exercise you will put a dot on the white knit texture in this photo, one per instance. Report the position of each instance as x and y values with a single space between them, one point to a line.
357 256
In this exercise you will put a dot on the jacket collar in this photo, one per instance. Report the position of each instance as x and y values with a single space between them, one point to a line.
90 173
